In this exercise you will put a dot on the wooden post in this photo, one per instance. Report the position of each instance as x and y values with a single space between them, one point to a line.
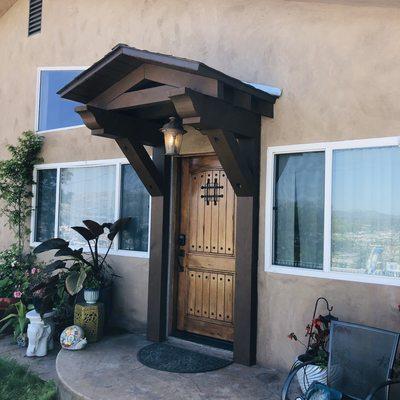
247 224
245 337
158 261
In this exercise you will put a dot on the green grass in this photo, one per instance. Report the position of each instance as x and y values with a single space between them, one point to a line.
17 383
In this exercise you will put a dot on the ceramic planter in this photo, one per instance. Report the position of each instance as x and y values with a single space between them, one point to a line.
22 340
91 295
309 374
105 297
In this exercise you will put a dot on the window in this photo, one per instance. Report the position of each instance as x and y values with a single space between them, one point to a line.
135 202
53 112
299 210
334 210
46 204
66 194
35 17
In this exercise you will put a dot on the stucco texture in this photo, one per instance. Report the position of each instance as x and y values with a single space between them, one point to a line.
338 65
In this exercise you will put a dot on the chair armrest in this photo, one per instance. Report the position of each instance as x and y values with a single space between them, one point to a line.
290 377
379 387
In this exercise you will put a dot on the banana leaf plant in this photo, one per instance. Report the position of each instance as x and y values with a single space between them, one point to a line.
77 265
17 319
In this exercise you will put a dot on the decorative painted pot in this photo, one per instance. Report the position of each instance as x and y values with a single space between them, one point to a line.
91 295
22 340
309 374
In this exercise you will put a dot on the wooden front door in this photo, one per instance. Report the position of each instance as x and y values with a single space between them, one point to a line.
206 287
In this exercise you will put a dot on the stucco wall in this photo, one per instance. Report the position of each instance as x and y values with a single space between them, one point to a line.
338 65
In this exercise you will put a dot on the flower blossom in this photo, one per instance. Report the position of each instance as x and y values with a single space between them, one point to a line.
17 294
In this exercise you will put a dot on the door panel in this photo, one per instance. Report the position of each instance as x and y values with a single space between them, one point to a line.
207 276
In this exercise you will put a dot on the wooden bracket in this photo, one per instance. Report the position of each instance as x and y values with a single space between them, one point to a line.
114 125
207 112
143 165
233 162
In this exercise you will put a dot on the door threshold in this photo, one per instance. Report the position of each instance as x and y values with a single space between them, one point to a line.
203 340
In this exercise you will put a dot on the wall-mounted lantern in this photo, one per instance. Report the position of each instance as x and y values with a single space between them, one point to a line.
173 133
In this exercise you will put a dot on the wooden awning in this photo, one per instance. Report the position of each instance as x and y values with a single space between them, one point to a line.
123 59
130 93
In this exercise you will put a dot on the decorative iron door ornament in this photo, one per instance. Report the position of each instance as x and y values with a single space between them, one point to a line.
214 187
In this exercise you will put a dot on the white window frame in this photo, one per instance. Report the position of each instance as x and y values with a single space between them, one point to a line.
37 106
328 148
118 162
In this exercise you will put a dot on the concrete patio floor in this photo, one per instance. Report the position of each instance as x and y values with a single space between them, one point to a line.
110 370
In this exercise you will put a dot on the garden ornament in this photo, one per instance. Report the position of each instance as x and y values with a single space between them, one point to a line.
39 334
73 338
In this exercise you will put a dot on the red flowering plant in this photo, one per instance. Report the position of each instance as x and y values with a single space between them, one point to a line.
15 272
317 333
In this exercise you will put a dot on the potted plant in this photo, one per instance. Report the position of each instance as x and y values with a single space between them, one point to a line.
91 289
19 322
80 269
44 288
317 333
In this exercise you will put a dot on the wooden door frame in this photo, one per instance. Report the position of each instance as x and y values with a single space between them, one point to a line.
245 308
176 230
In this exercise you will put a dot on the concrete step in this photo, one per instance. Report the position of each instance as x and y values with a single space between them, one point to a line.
109 369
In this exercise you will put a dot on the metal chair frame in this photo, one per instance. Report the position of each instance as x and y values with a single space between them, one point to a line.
384 385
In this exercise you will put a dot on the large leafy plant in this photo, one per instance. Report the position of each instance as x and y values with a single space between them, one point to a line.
16 180
77 266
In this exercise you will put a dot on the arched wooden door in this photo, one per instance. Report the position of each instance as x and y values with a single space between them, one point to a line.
206 284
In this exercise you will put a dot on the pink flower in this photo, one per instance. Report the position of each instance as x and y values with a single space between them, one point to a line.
17 294
33 271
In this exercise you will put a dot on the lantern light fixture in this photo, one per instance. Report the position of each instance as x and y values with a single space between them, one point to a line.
173 133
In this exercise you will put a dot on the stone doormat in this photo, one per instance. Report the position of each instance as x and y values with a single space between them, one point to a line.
165 357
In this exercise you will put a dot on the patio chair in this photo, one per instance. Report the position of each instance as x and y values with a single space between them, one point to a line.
360 363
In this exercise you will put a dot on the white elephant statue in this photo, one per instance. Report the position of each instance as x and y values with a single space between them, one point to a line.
40 334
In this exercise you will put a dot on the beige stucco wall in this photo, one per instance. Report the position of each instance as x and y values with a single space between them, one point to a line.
337 61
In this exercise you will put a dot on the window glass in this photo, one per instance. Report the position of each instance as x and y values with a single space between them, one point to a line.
299 210
366 211
45 204
135 204
86 193
55 112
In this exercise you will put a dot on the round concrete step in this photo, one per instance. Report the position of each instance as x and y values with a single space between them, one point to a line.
110 370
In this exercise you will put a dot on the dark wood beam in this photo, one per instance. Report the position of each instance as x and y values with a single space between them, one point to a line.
142 163
172 77
158 260
112 124
214 113
245 307
232 161
144 97
131 79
